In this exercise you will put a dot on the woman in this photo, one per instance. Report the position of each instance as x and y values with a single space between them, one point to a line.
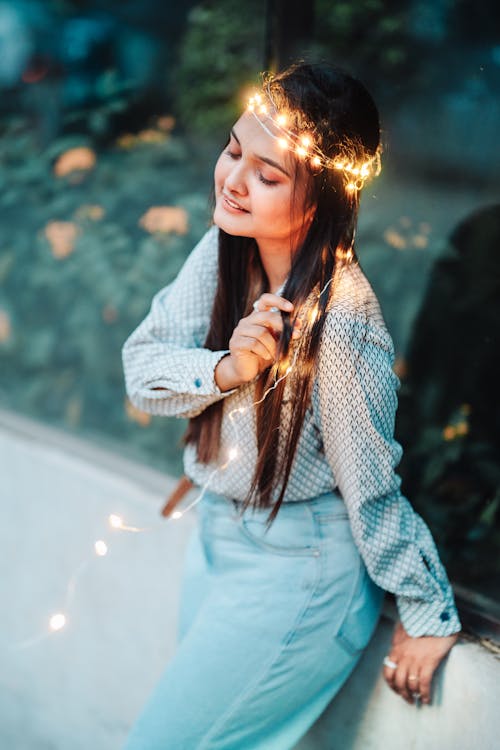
272 342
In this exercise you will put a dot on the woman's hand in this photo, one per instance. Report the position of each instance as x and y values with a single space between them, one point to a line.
416 660
253 343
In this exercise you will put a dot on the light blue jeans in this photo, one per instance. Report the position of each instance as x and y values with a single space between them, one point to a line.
271 625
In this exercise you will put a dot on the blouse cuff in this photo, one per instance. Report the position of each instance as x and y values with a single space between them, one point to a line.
437 618
196 379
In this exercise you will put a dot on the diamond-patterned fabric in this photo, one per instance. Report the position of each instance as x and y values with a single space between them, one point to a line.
347 441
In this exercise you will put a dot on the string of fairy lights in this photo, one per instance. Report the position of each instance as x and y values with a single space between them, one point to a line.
58 620
355 172
304 147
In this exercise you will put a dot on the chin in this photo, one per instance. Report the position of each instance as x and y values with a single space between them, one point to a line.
227 223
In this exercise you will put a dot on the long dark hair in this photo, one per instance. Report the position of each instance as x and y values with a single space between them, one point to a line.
339 113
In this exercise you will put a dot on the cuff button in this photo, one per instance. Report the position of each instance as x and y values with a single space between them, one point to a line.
197 383
444 616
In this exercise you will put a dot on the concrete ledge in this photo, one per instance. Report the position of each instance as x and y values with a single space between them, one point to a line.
82 687
367 715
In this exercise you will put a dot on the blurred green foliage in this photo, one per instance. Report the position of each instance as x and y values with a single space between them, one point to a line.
65 314
222 52
369 36
220 55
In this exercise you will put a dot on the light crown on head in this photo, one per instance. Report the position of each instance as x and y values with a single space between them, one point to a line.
355 171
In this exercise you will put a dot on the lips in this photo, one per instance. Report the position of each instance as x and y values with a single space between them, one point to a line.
232 206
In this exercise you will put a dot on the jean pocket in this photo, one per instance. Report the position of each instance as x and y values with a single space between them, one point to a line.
279 538
339 514
362 614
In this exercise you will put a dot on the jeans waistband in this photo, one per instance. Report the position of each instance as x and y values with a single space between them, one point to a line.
328 500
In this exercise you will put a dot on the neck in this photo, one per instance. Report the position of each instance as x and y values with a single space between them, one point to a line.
276 264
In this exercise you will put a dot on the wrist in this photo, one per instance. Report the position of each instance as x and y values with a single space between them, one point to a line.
225 376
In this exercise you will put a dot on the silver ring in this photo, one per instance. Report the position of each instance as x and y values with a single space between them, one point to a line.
255 305
389 663
417 696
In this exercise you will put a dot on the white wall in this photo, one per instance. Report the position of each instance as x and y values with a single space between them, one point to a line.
81 688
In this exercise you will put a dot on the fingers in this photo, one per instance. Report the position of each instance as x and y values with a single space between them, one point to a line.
397 679
267 300
409 680
271 321
409 667
425 681
389 676
261 344
401 683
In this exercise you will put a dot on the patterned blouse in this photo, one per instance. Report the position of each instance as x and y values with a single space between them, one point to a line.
347 441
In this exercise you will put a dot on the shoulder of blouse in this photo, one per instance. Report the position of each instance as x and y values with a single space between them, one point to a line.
353 295
197 275
206 250
354 317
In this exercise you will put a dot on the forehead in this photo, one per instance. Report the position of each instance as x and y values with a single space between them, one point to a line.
258 134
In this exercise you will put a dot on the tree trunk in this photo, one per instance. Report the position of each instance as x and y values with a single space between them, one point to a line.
289 24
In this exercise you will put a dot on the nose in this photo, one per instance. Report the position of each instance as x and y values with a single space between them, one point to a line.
235 179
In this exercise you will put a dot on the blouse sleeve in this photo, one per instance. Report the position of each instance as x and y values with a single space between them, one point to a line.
355 402
166 350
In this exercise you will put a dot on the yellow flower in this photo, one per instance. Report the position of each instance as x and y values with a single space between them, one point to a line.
449 432
151 136
395 239
5 326
62 237
80 158
166 122
88 211
420 240
165 219
127 140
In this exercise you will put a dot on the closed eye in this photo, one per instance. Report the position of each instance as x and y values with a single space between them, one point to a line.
235 155
267 182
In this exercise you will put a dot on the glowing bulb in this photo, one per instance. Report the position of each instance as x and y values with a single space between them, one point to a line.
281 120
263 109
300 150
351 186
313 315
176 514
115 521
306 141
57 621
233 453
282 143
316 161
101 548
338 165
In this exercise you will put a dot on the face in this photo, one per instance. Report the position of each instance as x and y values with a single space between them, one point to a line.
254 188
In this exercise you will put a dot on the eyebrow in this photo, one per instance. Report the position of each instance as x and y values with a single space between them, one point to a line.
265 159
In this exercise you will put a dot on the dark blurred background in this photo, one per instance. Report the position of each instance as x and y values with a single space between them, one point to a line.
111 117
